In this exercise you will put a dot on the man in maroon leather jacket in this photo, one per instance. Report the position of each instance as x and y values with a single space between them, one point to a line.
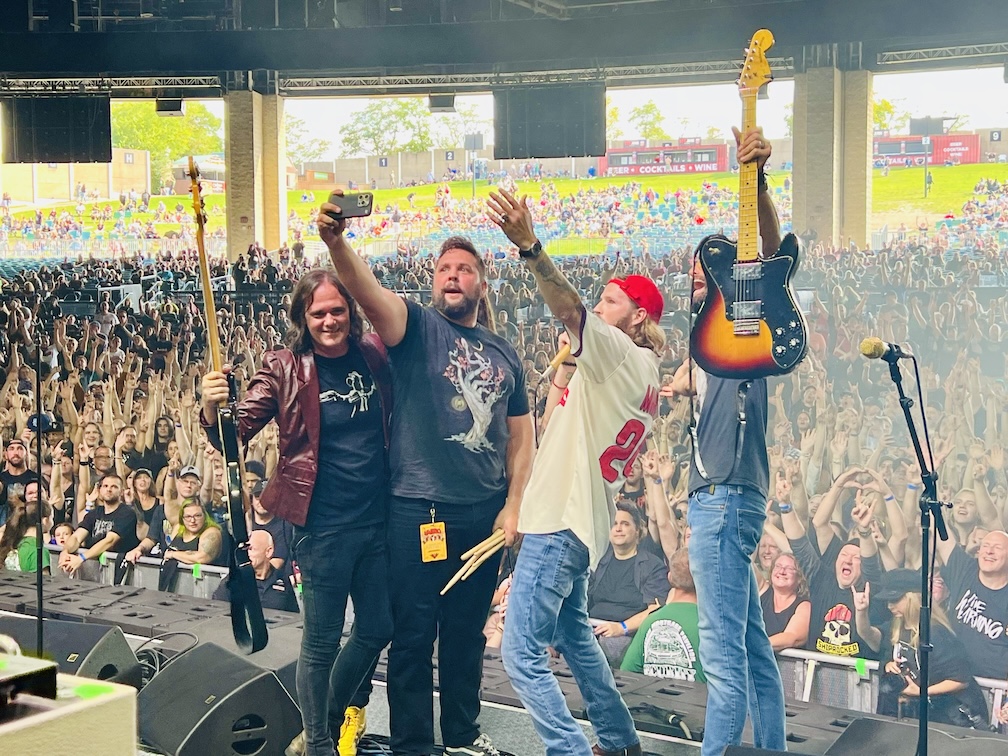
329 394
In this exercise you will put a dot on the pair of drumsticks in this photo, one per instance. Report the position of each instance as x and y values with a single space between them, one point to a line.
476 556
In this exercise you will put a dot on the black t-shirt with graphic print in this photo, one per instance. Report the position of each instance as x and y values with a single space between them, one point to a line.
122 521
453 389
979 616
351 481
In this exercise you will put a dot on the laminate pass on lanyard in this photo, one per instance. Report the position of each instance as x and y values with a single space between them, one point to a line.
433 541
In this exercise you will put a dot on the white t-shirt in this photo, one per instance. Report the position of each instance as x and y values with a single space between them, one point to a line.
593 437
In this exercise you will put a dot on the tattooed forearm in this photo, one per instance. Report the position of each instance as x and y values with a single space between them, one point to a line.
563 300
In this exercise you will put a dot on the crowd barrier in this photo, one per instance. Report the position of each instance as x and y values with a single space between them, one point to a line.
147 570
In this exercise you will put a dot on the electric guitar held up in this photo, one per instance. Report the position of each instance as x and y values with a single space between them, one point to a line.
749 325
247 621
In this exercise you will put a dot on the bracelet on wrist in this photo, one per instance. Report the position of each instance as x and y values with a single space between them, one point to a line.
761 181
557 385
625 630
570 364
911 487
784 508
890 498
83 556
865 533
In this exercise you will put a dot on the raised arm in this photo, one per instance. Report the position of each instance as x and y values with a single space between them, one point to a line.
753 146
514 218
384 308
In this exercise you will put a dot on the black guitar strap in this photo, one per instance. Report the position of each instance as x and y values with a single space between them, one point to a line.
248 625
740 399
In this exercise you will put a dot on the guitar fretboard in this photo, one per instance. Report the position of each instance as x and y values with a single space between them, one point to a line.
748 231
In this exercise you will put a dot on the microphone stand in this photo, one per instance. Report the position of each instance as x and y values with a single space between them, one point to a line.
39 546
930 508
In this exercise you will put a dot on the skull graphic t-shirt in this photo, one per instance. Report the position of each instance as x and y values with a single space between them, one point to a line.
832 629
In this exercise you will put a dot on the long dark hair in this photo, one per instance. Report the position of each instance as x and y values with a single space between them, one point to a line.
298 337
23 516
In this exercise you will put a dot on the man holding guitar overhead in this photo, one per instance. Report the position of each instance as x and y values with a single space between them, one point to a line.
330 395
728 484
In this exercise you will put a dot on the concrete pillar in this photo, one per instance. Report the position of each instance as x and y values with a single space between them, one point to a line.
856 188
832 153
274 163
243 156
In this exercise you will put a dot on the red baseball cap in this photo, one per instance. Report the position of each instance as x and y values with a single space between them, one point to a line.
644 294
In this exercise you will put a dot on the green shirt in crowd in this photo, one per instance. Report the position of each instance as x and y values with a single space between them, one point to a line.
667 644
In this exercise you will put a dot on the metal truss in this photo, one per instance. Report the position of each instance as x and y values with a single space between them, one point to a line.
111 85
958 52
726 70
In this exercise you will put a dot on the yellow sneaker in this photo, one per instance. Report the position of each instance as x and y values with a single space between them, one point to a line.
352 730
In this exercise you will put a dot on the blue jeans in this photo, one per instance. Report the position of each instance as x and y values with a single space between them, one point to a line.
742 673
548 606
351 562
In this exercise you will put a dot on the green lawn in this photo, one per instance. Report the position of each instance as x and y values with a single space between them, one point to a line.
895 198
900 195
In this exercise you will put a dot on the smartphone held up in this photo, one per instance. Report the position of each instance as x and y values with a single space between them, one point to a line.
351 205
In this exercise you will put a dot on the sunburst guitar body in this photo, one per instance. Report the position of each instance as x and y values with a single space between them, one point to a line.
749 324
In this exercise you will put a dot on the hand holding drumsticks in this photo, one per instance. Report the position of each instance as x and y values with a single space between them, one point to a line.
476 556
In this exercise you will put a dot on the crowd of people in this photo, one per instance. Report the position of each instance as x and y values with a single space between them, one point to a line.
129 463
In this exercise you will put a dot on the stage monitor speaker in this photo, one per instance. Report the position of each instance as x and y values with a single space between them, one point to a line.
867 735
210 701
94 651
13 16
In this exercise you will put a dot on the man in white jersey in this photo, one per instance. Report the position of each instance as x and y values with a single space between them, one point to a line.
595 432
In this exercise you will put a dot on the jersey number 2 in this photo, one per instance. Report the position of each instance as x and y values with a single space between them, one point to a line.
629 442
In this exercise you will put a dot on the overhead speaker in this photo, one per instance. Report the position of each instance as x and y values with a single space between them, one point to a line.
892 738
210 701
94 651
441 103
169 107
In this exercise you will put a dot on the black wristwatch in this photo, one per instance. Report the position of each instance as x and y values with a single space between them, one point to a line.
534 251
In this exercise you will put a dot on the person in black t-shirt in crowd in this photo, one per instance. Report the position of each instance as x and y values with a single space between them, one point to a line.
834 577
786 605
15 473
978 601
955 697
329 394
628 584
461 446
274 591
281 530
109 526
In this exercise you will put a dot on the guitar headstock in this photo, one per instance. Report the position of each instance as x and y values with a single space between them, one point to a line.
198 208
756 69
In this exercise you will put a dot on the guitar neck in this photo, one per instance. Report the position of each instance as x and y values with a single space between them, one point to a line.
748 215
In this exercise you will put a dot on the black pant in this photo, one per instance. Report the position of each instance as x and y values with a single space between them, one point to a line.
420 614
334 565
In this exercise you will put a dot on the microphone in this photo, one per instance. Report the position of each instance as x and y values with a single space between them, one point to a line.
555 363
873 348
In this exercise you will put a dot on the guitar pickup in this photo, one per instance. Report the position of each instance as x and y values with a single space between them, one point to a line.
749 309
747 271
